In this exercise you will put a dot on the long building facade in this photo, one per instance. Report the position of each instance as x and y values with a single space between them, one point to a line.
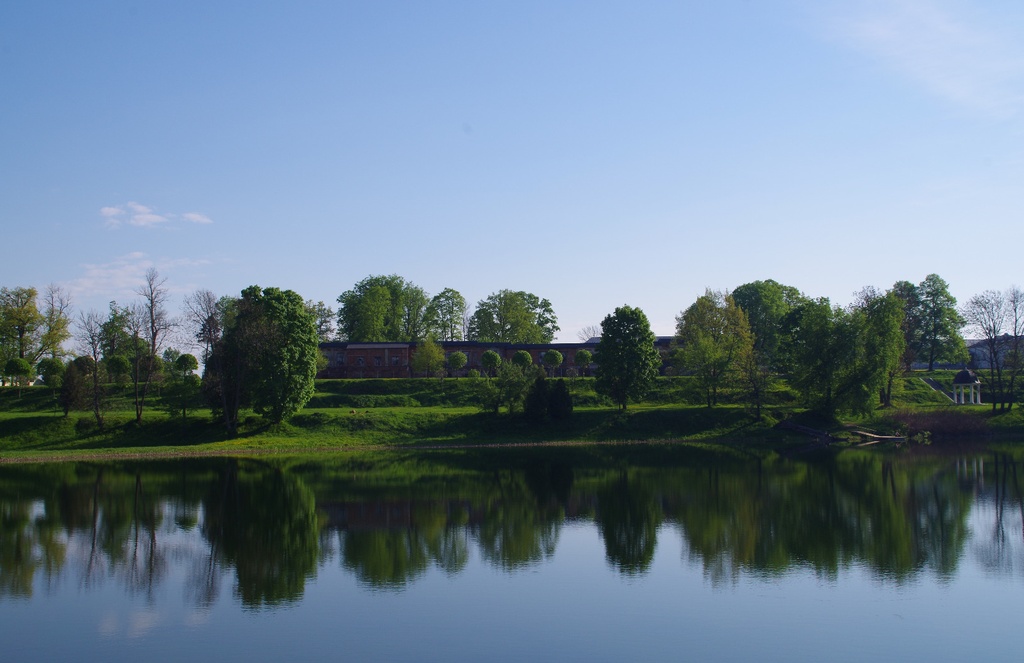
392 360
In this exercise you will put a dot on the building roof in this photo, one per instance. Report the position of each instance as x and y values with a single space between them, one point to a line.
966 377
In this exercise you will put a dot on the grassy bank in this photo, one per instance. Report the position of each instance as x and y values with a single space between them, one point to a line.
358 414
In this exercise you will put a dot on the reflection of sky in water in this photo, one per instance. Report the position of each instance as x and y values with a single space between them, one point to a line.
997 538
572 606
575 604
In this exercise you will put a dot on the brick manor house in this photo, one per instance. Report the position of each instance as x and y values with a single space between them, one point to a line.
391 360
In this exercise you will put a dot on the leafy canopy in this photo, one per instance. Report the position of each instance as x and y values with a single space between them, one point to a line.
714 339
383 309
513 317
627 361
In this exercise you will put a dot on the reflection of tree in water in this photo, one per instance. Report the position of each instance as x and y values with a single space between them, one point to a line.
385 558
997 544
121 517
446 543
628 517
450 549
391 554
896 518
896 515
264 523
27 545
516 529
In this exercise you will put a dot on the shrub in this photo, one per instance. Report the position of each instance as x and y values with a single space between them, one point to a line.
938 422
536 405
559 401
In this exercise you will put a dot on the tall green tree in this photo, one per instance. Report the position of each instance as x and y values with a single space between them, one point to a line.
267 356
881 348
383 309
509 316
822 351
29 331
512 384
446 315
115 339
627 361
843 359
939 338
713 336
325 320
428 358
756 377
20 323
910 298
766 305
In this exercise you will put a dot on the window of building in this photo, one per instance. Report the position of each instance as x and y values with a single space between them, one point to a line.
396 361
359 361
376 361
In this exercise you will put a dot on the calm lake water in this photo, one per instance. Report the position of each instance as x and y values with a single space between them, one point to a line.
643 553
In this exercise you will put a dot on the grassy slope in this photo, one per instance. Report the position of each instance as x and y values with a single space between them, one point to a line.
417 413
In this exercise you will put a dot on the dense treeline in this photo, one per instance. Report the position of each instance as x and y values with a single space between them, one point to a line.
259 350
846 359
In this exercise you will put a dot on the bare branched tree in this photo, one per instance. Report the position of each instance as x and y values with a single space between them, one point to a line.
1015 344
149 325
985 314
203 320
89 335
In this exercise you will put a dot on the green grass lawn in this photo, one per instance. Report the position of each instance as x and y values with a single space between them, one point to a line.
350 414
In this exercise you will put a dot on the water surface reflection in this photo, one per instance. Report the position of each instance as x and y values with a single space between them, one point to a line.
272 523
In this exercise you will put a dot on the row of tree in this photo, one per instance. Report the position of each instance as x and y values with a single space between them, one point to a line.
392 309
259 350
845 358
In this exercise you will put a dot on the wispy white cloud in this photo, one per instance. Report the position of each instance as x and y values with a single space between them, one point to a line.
943 45
143 216
115 279
122 276
196 217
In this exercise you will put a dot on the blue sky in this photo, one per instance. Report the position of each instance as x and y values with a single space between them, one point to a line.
594 153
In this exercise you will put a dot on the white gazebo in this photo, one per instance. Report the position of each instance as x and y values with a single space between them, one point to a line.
966 388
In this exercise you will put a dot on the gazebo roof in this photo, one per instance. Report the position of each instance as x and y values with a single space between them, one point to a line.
966 377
